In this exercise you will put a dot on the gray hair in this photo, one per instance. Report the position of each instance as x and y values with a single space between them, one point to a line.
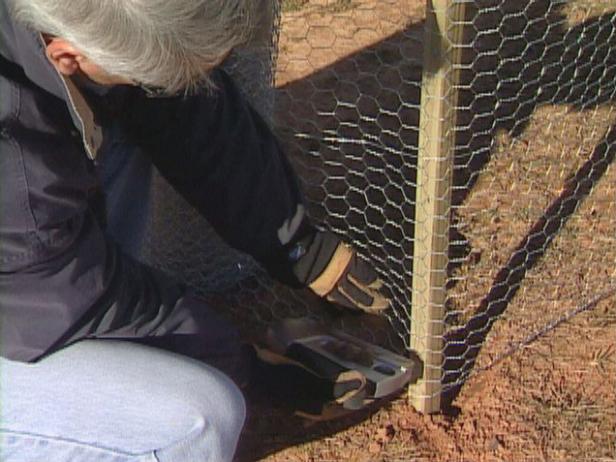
164 43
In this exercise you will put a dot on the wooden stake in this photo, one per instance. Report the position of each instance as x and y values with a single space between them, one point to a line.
444 29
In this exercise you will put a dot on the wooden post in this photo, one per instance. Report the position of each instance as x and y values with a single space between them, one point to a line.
444 28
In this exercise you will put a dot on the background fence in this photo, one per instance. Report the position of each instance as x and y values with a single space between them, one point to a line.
464 147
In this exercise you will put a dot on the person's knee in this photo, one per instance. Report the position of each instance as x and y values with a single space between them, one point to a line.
227 406
202 409
185 406
213 409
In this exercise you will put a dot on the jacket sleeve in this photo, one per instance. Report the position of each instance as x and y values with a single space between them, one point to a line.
61 279
222 157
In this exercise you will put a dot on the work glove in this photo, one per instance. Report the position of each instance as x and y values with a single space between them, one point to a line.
306 392
317 387
332 269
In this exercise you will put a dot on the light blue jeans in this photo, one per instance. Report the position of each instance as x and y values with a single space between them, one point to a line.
115 401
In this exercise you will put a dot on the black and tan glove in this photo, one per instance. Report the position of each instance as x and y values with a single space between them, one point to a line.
309 386
308 393
334 271
320 373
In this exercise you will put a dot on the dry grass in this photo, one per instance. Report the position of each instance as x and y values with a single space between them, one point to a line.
289 6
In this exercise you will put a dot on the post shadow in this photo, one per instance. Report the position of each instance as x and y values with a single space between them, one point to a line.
463 345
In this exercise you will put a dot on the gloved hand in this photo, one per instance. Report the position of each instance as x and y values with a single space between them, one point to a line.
294 378
321 373
333 270
307 393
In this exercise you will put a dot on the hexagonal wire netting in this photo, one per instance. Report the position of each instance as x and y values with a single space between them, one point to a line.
497 205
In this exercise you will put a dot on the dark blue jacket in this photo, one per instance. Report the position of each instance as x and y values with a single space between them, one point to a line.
61 278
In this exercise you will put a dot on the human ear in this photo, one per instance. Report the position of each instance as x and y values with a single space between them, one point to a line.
64 56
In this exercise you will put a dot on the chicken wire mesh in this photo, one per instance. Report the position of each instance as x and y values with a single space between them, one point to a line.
497 205
533 218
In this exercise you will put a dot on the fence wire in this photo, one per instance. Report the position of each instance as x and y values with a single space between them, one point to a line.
532 220
533 215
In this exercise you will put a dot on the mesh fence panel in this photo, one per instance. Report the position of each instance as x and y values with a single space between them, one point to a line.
533 217
525 102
